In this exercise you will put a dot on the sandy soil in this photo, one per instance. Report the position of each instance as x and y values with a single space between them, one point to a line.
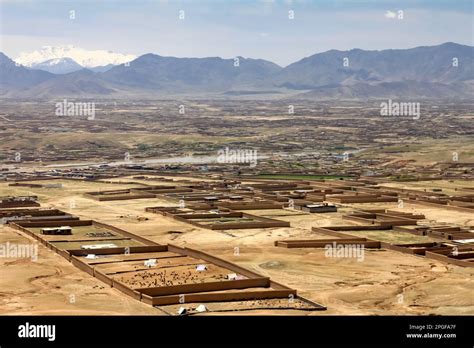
52 286
384 282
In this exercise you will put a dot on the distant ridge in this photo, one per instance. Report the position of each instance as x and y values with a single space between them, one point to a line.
445 70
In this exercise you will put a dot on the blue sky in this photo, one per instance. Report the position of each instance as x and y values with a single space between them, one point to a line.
229 28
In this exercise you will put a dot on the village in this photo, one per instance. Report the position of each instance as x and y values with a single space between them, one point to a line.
198 243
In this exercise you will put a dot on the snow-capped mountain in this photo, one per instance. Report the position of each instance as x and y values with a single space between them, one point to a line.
85 58
58 66
402 73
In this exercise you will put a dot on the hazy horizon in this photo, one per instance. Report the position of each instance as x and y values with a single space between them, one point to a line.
283 66
252 29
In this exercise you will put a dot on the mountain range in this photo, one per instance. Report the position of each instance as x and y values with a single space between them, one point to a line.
66 59
445 70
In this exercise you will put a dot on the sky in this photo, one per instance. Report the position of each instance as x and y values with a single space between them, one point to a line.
230 28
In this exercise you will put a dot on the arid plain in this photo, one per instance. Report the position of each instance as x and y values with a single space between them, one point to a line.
384 282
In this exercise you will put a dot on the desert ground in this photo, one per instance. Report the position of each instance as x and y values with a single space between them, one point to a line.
385 282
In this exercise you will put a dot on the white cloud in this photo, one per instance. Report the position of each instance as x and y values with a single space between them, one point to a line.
390 14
